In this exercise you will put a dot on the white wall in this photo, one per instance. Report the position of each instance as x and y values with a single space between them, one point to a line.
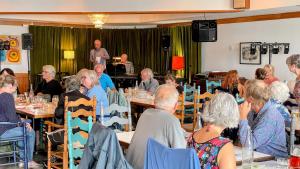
16 30
224 54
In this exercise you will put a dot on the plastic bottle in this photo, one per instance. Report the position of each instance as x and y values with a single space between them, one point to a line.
247 151
31 93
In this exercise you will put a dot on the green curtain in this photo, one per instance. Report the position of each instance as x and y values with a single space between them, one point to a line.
143 47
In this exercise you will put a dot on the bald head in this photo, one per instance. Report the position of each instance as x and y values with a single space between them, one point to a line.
97 44
166 97
124 58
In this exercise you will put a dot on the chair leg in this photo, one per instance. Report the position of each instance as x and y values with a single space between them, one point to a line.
49 150
14 153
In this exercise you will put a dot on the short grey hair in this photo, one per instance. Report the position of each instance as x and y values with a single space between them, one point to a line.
293 60
92 75
148 71
279 91
222 110
50 69
72 83
166 96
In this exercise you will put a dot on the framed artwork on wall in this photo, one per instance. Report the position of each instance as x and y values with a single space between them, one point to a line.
250 53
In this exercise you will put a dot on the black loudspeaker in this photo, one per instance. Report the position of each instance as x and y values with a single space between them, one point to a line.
165 40
204 31
26 41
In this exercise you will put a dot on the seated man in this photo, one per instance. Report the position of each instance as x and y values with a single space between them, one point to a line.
128 65
264 119
49 85
148 83
104 80
158 123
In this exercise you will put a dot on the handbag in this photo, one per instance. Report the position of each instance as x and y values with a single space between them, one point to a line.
56 137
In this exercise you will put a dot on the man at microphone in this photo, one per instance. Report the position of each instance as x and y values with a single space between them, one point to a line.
98 55
148 83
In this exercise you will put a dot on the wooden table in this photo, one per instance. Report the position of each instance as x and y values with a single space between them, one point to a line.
145 102
125 139
36 112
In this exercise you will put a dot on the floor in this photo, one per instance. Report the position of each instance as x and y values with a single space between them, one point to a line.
39 158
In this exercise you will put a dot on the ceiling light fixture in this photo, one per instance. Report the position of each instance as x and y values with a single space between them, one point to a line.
97 20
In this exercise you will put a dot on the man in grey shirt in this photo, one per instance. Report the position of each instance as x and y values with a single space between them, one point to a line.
98 55
128 65
158 123
148 83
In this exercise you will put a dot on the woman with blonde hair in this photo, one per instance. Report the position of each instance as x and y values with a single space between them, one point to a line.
270 78
89 79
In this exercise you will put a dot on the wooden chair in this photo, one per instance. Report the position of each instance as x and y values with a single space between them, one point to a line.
121 119
180 109
211 85
199 102
73 120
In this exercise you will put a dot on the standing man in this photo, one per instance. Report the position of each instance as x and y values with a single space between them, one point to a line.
98 55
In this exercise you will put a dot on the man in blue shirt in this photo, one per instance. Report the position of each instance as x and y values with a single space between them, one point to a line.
104 80
265 121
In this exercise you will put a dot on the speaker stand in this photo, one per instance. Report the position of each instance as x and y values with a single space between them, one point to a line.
29 68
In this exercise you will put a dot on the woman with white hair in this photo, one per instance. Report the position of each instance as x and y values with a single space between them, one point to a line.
213 150
279 94
49 85
90 80
270 78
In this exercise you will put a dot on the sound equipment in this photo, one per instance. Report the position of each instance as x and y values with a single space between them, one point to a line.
204 31
27 41
165 40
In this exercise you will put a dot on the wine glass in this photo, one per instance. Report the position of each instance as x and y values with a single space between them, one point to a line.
55 100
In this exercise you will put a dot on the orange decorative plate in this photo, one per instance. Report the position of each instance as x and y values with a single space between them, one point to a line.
13 55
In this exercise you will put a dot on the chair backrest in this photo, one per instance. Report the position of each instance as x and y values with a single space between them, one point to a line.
211 85
120 116
189 92
180 108
199 102
162 157
77 126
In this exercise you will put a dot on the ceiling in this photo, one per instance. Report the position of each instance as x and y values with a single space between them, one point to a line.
136 20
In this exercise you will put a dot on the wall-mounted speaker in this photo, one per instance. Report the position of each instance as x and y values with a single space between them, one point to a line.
204 31
165 41
26 41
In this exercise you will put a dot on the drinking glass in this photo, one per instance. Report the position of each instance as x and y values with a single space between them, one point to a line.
55 100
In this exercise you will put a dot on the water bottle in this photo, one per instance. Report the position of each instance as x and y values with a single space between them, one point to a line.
247 150
136 88
31 93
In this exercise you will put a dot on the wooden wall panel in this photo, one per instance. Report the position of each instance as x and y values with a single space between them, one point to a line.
22 79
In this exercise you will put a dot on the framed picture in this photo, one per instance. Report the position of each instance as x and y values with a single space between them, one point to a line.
245 53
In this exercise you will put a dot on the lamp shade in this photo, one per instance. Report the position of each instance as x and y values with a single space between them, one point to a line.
69 54
177 62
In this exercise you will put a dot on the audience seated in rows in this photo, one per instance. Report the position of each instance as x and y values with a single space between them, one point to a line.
158 123
266 122
8 85
270 78
104 80
171 80
72 91
148 83
90 81
49 85
215 151
279 94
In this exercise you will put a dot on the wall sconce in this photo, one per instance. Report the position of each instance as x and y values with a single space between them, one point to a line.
286 48
69 54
